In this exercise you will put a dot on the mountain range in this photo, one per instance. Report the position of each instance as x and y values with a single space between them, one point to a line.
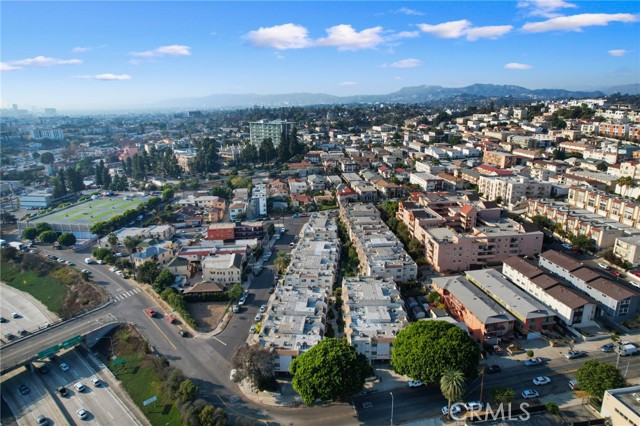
414 94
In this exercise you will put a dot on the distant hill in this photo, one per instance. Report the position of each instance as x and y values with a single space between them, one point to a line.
415 94
629 89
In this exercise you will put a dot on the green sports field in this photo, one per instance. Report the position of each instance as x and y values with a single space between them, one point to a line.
90 212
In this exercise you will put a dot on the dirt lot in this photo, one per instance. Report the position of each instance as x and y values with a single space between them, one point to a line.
207 314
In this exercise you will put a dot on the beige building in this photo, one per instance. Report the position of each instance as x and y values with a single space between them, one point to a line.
628 248
225 269
622 406
512 189
613 207
504 160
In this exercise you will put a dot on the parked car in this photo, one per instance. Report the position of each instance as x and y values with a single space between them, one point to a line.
493 369
23 389
603 265
636 273
3 320
236 309
567 246
242 301
415 383
533 362
15 315
252 329
616 274
258 317
263 308
575 354
528 394
183 333
100 262
474 406
455 409
542 380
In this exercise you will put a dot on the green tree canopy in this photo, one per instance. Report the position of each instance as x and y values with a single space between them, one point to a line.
42 226
163 280
254 363
187 391
29 233
48 236
331 369
211 416
502 395
67 239
452 386
236 291
148 272
46 158
426 349
595 377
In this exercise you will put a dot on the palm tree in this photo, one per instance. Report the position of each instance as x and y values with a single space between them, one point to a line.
112 239
452 385
625 181
130 244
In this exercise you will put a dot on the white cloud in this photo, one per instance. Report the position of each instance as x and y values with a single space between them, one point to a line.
348 83
517 66
617 52
410 12
171 50
80 49
403 34
545 8
6 67
406 63
452 29
113 77
577 22
281 37
278 55
492 32
43 61
344 37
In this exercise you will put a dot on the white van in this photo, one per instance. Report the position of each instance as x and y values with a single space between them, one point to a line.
88 260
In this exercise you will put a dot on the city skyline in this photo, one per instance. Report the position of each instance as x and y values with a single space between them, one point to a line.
108 55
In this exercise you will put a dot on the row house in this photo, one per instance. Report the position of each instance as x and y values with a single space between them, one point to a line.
532 317
616 301
606 205
486 320
373 315
619 131
426 181
388 189
572 307
628 249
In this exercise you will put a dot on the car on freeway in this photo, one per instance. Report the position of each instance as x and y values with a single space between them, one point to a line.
474 406
15 315
493 369
528 394
263 308
64 366
533 362
82 414
232 374
575 354
62 391
42 421
603 265
455 409
609 347
541 380
79 386
43 369
96 381
23 389
414 383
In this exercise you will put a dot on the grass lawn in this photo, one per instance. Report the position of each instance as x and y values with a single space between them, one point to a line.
47 289
92 211
141 381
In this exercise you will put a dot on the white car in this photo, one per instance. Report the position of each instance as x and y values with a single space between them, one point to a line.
455 409
474 406
113 269
233 374
414 383
15 315
100 262
79 386
603 265
258 317
64 366
567 246
252 329
263 308
542 380
82 414
70 263
96 381
528 394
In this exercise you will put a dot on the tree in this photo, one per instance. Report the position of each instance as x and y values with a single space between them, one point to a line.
625 182
552 408
29 233
502 395
329 370
188 391
168 194
42 226
47 158
281 261
595 377
48 236
130 244
211 416
426 349
112 240
433 297
7 217
236 291
603 167
163 280
582 242
499 199
67 239
148 272
452 386
530 353
255 364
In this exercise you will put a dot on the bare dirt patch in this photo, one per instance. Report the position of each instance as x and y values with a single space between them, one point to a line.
208 314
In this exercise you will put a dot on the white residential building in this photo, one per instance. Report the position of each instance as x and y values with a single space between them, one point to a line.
224 269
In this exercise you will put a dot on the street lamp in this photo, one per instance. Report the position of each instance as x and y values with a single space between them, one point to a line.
391 393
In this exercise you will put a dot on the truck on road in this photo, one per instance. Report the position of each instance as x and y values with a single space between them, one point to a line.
17 245
628 349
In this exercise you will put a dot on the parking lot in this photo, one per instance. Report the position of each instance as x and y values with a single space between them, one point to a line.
100 403
27 405
32 315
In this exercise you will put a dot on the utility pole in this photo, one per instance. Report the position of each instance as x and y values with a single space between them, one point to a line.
391 408
482 383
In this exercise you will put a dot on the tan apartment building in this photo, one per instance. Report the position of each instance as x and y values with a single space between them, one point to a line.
504 160
512 189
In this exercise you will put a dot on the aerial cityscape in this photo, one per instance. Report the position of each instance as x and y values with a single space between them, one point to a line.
309 213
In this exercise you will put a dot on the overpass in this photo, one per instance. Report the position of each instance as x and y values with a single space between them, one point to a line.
22 351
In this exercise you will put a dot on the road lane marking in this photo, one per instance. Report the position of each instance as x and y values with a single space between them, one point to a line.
161 332
214 337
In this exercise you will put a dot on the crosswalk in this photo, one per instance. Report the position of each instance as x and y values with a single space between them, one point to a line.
126 294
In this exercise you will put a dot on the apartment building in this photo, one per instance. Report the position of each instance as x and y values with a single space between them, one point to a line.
512 189
223 269
503 160
275 130
380 252
610 206
621 406
628 249
487 244
572 307
426 181
616 301
485 319
259 199
373 315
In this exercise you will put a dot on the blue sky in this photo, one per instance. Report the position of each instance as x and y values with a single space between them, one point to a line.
72 55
